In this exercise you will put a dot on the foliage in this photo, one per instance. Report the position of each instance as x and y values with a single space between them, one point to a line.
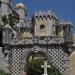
33 67
3 73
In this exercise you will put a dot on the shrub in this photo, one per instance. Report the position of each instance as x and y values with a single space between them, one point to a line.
33 67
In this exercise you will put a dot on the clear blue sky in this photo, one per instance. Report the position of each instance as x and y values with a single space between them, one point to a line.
65 9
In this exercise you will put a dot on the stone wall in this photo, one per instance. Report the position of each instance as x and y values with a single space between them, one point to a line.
72 63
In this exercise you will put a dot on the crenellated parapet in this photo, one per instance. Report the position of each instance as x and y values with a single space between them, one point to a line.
45 15
44 23
46 30
42 28
64 29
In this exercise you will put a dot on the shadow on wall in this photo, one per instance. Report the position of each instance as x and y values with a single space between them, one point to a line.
0 37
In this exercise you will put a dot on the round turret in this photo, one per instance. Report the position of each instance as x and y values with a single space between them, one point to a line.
69 23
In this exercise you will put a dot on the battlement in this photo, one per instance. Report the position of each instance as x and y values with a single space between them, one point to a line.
69 23
65 23
41 15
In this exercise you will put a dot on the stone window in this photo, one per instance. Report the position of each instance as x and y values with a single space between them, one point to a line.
58 29
42 27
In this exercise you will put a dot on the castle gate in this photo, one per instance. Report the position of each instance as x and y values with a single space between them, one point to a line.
54 53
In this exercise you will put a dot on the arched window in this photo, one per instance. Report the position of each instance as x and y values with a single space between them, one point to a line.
42 27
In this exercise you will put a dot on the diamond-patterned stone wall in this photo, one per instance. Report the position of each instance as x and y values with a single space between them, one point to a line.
18 57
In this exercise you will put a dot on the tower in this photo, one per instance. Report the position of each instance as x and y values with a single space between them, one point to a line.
6 7
68 30
45 23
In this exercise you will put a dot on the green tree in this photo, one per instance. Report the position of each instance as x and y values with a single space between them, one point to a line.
33 67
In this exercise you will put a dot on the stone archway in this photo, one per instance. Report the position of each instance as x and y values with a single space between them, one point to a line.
28 53
30 58
19 54
72 63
